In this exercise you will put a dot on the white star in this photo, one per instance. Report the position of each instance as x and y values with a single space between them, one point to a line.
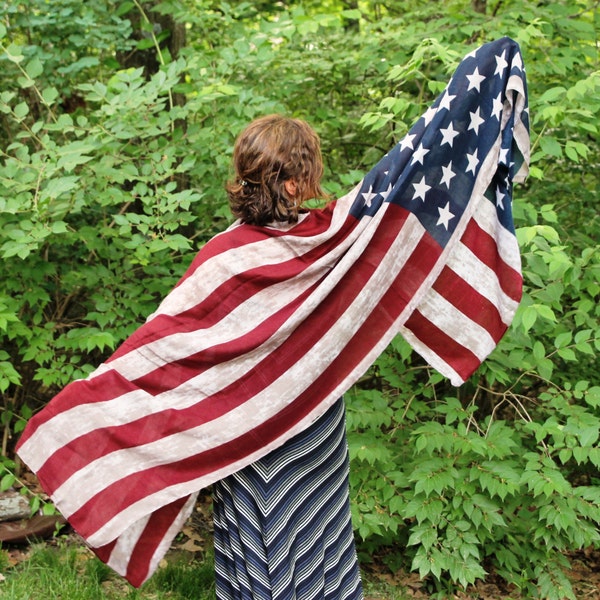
476 121
385 194
368 196
406 141
497 107
429 114
446 100
499 198
501 64
475 79
448 174
448 135
420 152
473 162
503 158
421 189
516 62
445 216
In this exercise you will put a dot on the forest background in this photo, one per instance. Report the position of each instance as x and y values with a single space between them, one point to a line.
117 121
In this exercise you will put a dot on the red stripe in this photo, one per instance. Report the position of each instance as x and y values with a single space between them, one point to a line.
80 451
108 386
315 223
229 295
156 528
104 552
98 511
138 567
483 245
470 302
461 359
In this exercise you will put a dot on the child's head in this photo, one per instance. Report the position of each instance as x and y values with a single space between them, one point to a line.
278 165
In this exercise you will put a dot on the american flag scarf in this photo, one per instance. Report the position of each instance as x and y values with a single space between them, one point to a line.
270 325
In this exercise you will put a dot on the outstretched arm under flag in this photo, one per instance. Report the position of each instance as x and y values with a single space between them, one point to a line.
270 325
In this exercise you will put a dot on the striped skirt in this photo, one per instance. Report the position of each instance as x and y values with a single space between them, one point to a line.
282 526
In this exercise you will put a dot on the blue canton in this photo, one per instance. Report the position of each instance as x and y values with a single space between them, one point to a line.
432 171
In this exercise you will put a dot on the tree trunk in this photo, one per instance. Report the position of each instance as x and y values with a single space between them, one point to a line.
479 6
148 58
351 24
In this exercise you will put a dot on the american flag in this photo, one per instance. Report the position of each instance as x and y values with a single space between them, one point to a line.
270 325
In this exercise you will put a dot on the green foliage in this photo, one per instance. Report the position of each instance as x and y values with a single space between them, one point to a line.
467 491
109 184
67 570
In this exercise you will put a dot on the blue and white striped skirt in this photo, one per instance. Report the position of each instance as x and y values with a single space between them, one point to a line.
282 526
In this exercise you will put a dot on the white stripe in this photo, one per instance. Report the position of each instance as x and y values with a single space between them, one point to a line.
101 473
119 557
175 527
222 267
483 279
435 361
485 216
125 544
246 317
84 418
520 132
457 325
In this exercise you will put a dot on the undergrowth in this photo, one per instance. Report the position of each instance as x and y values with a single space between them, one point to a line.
71 572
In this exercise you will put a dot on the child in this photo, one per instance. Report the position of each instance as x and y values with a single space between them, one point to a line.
235 380
282 526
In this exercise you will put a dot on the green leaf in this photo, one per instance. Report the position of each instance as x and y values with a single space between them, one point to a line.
48 509
74 154
351 14
563 339
567 354
124 8
34 68
58 186
545 312
551 146
8 376
588 437
21 110
592 396
528 317
7 482
13 53
145 44
25 82
49 95
571 152
552 94
538 351
424 535
35 505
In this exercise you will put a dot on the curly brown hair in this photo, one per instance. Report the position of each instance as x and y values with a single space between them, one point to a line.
270 151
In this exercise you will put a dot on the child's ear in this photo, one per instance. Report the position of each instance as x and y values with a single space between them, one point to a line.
291 187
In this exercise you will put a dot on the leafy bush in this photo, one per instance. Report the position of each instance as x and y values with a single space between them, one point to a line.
108 185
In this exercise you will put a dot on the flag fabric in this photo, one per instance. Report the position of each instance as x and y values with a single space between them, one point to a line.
270 325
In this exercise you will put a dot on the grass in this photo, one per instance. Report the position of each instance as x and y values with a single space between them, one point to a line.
71 572
68 571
